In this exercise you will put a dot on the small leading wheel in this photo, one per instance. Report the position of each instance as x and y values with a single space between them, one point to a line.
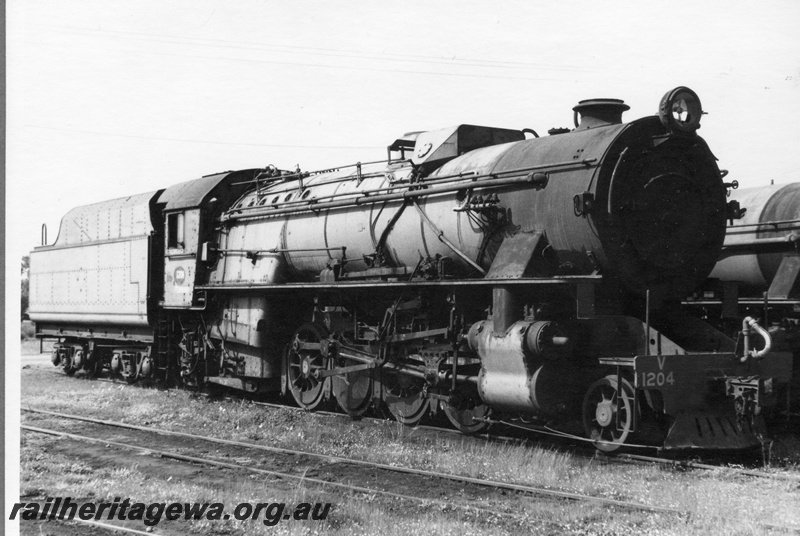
405 397
304 359
468 417
608 413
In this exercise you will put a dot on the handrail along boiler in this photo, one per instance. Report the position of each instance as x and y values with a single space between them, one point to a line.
475 272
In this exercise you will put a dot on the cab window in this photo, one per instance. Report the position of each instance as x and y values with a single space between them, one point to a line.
175 230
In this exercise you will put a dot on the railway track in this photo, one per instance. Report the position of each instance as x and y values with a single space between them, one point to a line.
110 527
462 501
554 440
532 491
280 474
588 453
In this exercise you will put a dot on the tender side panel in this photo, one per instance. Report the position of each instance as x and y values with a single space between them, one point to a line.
96 272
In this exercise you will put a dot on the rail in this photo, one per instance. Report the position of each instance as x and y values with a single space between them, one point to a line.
519 488
486 483
543 431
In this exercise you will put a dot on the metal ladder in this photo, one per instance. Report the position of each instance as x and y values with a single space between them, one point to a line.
163 345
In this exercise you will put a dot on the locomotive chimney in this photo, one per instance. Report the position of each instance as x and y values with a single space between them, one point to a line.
599 112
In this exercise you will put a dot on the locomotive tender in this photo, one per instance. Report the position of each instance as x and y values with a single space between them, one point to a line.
475 272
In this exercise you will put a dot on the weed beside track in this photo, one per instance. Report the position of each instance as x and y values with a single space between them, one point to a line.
744 502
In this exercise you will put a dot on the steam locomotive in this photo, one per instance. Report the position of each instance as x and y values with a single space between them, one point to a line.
482 273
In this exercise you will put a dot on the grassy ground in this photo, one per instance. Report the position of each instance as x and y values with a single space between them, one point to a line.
719 503
30 345
57 475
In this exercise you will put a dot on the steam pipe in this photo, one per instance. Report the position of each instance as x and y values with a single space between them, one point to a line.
445 241
364 198
748 323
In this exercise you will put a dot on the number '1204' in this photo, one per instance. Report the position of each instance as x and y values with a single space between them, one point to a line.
653 379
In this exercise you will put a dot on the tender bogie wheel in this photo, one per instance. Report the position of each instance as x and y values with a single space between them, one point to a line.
405 397
608 413
468 417
131 378
307 390
68 362
92 365
68 365
130 368
95 368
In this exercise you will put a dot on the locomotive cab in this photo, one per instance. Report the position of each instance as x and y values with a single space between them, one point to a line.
189 209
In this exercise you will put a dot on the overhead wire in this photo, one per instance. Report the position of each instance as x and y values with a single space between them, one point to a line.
327 51
483 64
219 43
213 142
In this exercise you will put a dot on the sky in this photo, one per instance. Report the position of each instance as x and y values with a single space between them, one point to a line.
107 98
111 98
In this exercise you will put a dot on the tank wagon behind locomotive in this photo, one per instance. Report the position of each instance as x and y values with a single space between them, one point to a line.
758 273
761 247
